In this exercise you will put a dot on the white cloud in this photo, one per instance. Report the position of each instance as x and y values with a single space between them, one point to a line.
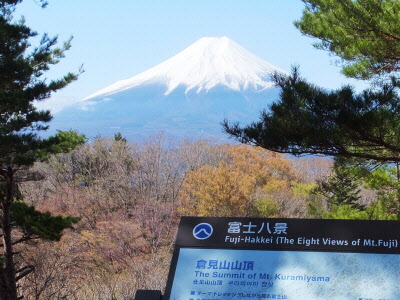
56 103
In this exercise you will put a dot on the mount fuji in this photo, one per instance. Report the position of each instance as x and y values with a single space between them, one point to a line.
187 95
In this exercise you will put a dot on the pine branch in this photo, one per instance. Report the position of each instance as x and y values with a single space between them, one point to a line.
24 272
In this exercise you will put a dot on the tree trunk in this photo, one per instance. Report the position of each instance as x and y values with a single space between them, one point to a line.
8 290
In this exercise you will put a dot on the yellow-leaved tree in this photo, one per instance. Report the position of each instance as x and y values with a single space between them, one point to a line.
248 181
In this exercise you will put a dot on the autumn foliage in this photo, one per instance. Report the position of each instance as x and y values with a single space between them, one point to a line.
129 197
248 181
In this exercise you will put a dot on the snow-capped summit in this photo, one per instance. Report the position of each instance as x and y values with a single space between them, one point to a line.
187 95
209 62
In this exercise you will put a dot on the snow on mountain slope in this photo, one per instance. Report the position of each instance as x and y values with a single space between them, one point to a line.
209 62
188 95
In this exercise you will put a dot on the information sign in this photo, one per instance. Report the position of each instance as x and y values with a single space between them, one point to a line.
296 259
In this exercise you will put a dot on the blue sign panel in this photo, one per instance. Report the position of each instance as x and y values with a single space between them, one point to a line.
210 274
248 258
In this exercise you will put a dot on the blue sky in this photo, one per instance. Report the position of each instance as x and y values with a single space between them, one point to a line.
118 39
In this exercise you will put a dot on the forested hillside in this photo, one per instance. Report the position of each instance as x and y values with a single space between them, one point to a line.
129 198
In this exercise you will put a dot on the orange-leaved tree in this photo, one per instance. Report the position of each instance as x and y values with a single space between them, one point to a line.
249 181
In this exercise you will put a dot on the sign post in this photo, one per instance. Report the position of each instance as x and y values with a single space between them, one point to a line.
295 259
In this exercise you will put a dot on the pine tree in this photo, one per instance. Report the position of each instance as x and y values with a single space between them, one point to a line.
307 119
342 187
364 34
22 81
310 120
